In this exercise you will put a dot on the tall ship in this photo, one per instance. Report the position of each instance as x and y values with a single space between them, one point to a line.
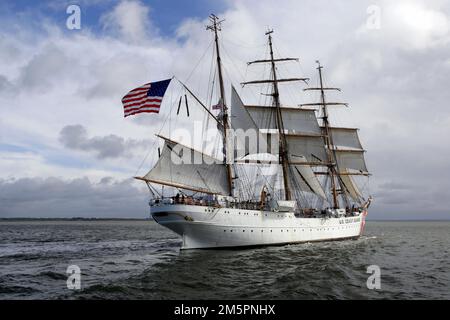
284 174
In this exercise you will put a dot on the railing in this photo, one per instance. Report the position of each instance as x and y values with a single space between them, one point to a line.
184 200
247 205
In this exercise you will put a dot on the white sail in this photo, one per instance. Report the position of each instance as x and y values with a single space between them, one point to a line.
351 159
240 117
345 137
248 138
182 167
300 145
295 120
351 188
310 147
303 174
307 179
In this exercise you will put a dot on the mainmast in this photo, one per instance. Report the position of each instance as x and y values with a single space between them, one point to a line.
283 151
328 139
214 27
282 138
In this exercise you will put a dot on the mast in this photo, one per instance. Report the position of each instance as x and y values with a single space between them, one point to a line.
214 27
334 174
282 137
338 166
331 169
283 152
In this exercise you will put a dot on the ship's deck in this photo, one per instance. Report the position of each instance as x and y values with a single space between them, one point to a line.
245 205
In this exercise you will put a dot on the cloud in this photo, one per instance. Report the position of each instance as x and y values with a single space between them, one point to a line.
44 69
5 85
429 26
110 146
130 20
55 197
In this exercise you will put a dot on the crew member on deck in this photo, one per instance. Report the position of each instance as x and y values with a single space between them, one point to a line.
263 198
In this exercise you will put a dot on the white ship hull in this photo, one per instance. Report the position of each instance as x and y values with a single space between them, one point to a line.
210 227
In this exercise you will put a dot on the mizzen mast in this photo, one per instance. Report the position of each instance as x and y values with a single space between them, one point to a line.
215 26
333 170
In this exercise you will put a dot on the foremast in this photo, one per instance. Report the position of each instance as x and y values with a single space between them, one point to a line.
215 26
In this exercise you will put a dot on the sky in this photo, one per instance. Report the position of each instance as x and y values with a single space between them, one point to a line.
67 151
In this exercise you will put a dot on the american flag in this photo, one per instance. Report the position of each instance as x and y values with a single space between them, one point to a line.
146 98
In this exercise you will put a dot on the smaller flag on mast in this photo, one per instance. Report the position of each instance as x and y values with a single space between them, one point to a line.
147 98
218 106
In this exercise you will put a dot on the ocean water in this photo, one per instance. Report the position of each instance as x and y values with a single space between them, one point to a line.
142 260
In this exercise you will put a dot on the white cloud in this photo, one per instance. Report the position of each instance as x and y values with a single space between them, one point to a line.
130 20
425 26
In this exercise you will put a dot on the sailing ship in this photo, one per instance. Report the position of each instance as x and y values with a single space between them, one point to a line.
316 170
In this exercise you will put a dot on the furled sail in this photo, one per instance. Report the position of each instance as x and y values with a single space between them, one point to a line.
182 167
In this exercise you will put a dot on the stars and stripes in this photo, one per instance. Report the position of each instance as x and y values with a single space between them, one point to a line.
147 98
